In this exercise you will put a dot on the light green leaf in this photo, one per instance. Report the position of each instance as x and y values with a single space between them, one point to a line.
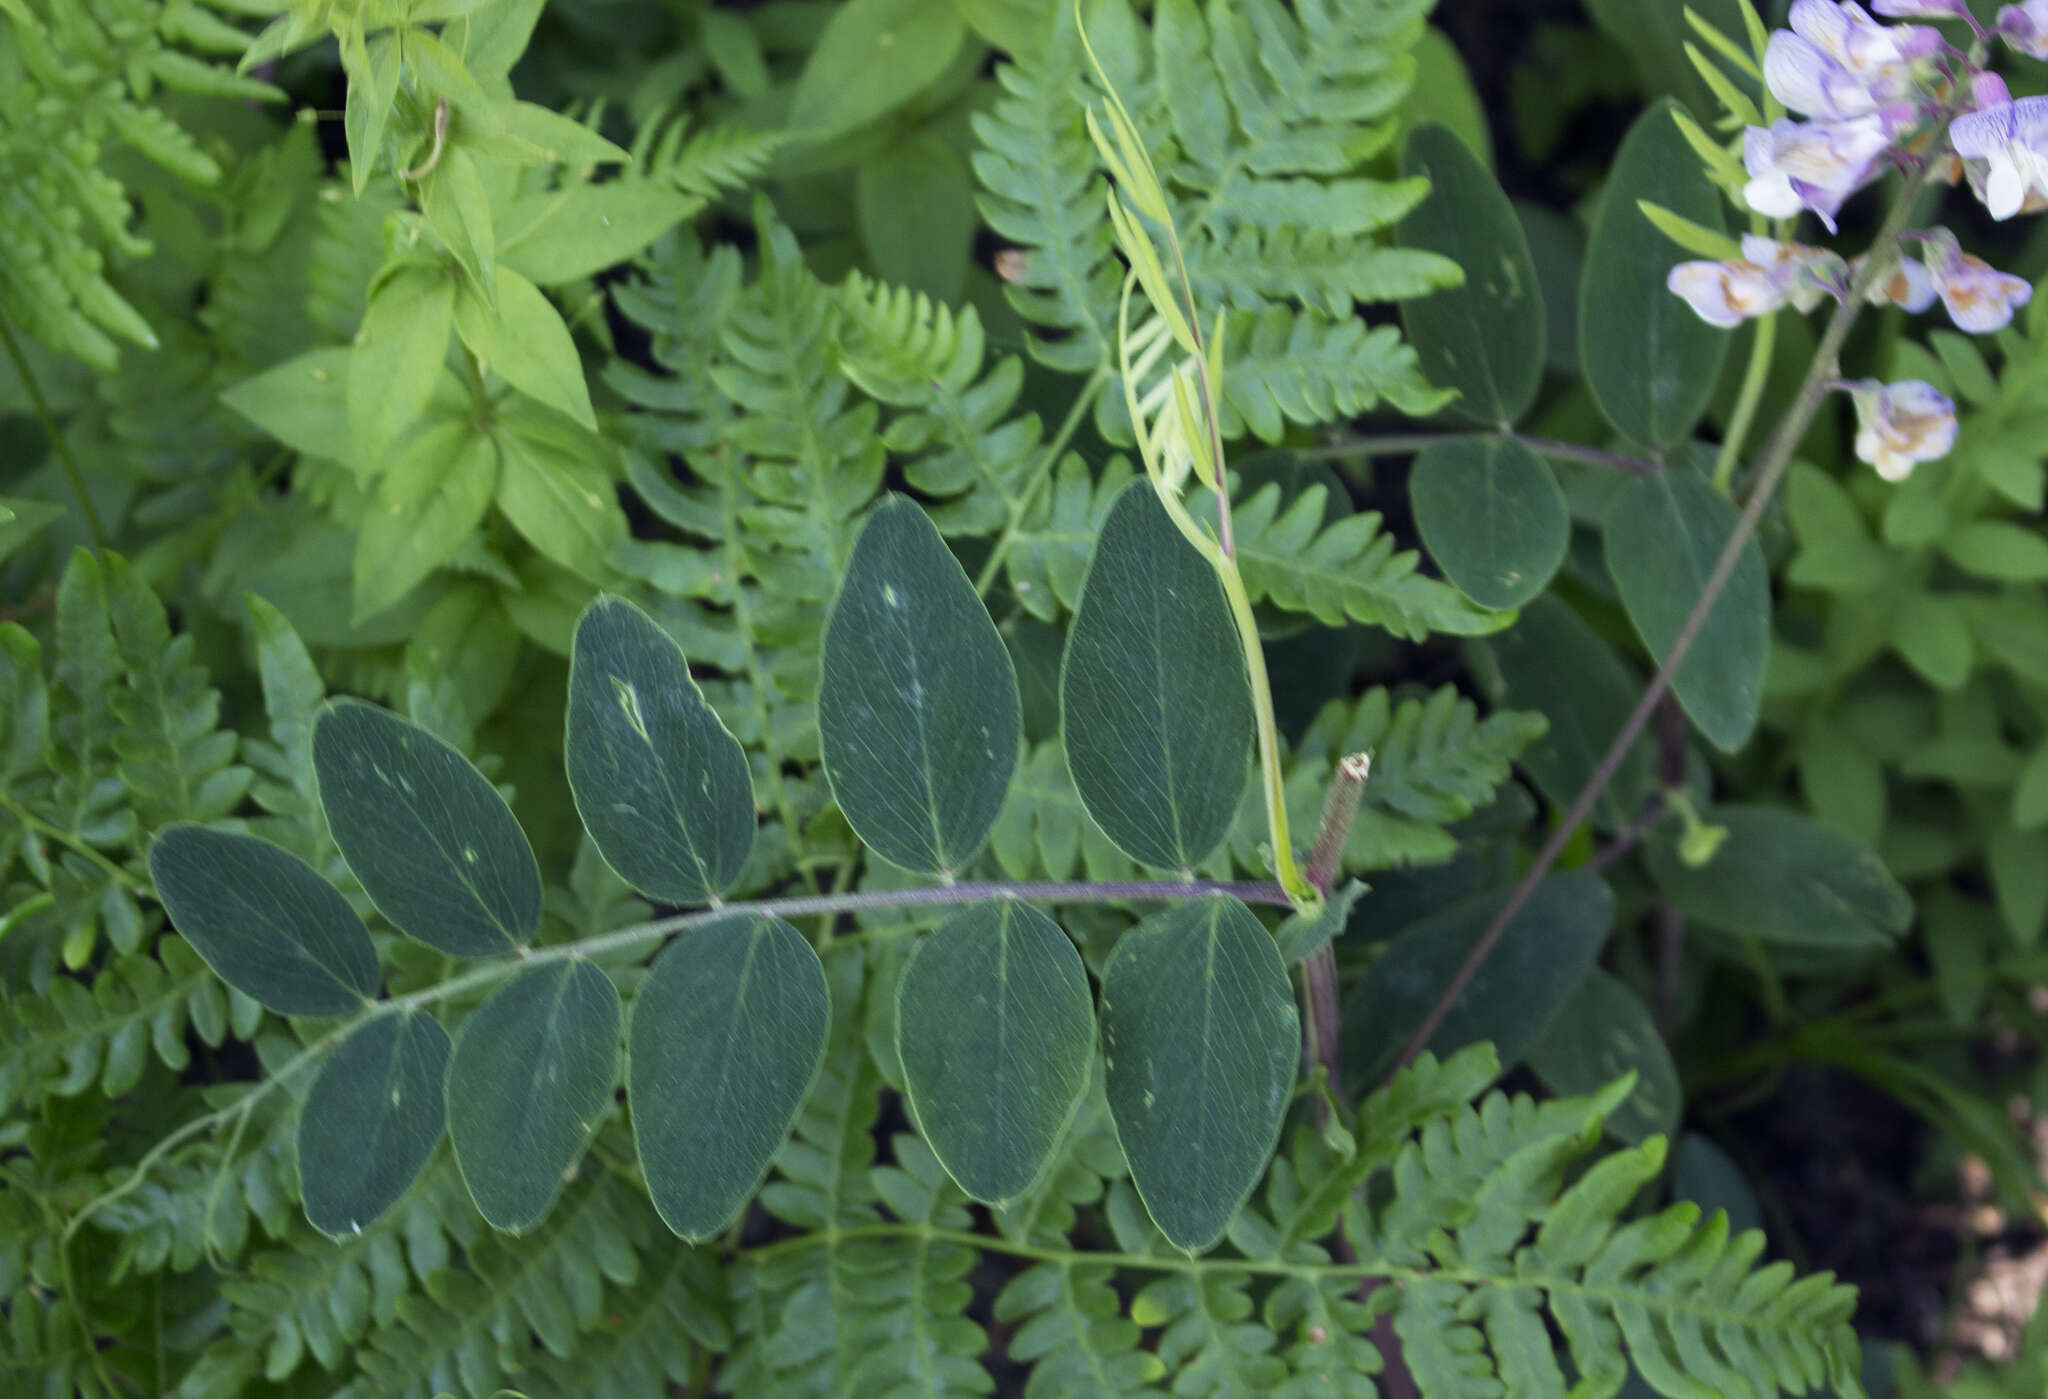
370 1121
372 71
996 1035
1200 1039
397 356
1663 537
1444 93
661 785
458 209
918 714
303 402
1485 338
1836 552
1492 514
2030 794
556 138
1650 363
1998 549
1554 663
530 1079
556 489
727 1033
873 56
23 520
24 703
1931 632
492 38
428 505
1155 707
264 920
1603 1031
560 235
1786 879
525 341
2018 863
432 843
1546 951
915 202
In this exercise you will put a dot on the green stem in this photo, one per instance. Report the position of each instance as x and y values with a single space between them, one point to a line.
1291 879
1776 459
1040 474
59 443
642 934
1746 400
1401 444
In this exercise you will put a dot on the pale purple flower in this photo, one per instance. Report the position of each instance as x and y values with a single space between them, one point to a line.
1978 296
2025 27
1907 285
1767 275
1876 53
2011 138
1898 425
1924 9
1726 293
1802 76
1812 165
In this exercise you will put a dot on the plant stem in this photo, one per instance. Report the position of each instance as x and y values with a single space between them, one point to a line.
1298 888
1777 457
73 843
59 443
1402 443
1040 474
1746 400
640 934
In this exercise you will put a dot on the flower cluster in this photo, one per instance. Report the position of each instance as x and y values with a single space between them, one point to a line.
1876 96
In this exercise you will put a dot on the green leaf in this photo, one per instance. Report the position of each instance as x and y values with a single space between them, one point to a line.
1998 549
524 340
554 137
561 235
727 1033
1485 338
1650 363
2030 793
370 1121
661 785
433 844
529 1081
1931 633
23 520
996 1034
1444 93
397 357
1663 537
24 703
1786 879
1553 662
1836 552
1492 514
2018 864
1155 707
428 505
264 920
556 488
1200 1039
915 202
458 209
372 71
872 57
918 715
1553 941
303 402
1599 1034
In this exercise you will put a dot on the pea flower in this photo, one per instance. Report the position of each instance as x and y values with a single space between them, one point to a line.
1924 9
2011 138
1907 285
1767 275
1978 296
1836 62
2025 28
1899 425
1812 165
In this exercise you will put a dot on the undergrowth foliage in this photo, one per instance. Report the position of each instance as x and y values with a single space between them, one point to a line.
620 773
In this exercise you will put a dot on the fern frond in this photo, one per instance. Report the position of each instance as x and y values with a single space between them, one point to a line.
1072 1332
1056 537
1349 571
707 163
1304 368
956 438
75 76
